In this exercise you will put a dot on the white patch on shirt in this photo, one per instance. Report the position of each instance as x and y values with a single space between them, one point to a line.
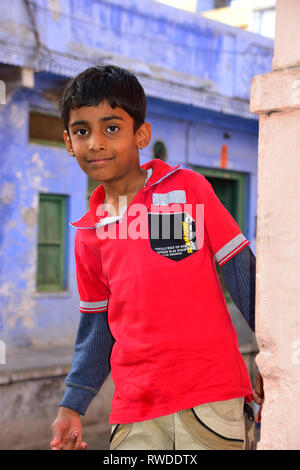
173 197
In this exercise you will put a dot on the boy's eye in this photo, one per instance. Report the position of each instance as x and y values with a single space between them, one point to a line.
79 132
112 129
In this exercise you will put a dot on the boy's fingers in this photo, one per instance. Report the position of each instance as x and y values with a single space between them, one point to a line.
80 445
67 444
56 439
59 445
257 398
57 448
71 443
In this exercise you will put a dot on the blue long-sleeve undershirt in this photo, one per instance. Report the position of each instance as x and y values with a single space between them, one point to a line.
91 364
239 277
91 360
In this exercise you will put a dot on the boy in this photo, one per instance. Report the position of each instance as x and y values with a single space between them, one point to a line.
151 303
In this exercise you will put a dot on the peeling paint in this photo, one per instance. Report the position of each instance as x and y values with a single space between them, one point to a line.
37 160
7 194
5 289
11 224
36 182
18 116
47 174
55 10
19 308
30 217
35 202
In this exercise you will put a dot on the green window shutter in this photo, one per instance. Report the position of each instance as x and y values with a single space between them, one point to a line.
51 242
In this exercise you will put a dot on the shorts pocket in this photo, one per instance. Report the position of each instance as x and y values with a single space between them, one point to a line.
249 427
119 433
213 427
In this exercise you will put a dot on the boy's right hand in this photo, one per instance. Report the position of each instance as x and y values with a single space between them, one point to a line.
259 395
66 431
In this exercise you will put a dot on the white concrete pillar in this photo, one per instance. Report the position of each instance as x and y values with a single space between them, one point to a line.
275 96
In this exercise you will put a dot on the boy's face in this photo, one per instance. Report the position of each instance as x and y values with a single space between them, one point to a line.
103 141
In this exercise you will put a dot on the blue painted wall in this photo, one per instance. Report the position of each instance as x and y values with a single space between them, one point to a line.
145 32
28 169
155 40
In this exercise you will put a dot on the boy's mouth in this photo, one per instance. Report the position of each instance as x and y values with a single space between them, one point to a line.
99 161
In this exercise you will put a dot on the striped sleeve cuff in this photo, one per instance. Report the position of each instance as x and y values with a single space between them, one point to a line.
231 249
77 399
93 307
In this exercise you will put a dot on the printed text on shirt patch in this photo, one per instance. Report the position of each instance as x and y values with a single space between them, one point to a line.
172 234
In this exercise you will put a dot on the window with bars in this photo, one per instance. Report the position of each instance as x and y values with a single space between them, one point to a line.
51 259
45 129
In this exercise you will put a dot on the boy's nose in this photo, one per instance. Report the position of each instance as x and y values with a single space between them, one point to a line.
96 144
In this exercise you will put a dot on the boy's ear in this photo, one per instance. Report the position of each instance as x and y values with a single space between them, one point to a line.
68 143
143 135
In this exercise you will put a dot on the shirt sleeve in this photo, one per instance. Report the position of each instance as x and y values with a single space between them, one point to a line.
91 364
92 286
239 277
224 235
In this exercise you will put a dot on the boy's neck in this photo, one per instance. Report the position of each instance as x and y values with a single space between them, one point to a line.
128 187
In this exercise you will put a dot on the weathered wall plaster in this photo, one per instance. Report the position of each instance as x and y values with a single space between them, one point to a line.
275 97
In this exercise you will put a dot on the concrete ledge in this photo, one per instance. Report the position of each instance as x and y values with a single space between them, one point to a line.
276 91
8 377
35 363
29 407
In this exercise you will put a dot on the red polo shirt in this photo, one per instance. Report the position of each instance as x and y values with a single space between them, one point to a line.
154 270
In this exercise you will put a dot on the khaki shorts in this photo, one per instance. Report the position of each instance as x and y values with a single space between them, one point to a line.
221 425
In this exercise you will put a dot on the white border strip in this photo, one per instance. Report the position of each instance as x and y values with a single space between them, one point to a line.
93 306
236 243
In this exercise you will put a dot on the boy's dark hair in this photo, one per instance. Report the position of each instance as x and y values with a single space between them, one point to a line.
104 82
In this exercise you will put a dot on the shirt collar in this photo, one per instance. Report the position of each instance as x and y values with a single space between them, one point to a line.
160 171
86 221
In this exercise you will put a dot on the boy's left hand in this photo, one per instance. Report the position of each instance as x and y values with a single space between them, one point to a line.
258 395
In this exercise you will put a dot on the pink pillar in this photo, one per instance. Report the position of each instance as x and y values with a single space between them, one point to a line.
275 96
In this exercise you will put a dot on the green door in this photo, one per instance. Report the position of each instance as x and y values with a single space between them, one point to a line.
230 188
226 191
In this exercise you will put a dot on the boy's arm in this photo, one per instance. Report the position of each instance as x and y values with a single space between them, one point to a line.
89 369
91 364
93 344
230 249
239 277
